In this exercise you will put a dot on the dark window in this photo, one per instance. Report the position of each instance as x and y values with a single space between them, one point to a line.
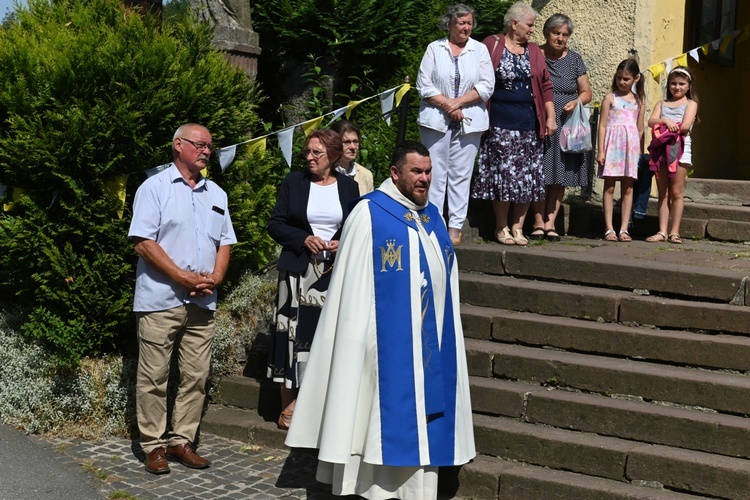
709 20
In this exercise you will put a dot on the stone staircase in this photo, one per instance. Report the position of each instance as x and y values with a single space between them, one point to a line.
598 371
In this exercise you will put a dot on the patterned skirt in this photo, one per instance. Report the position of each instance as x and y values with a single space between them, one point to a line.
510 166
299 300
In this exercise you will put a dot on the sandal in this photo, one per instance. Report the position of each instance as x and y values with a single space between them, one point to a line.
537 236
552 235
609 235
657 238
625 236
675 238
504 237
518 237
285 420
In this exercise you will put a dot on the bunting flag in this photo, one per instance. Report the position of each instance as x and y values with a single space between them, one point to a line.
337 114
310 125
668 65
725 41
694 54
715 44
386 104
17 193
351 106
681 60
226 156
704 49
656 70
115 189
285 143
258 144
401 92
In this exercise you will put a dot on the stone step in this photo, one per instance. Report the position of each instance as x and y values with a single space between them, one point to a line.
491 477
242 425
607 416
728 352
719 222
600 304
717 191
606 266
719 391
686 471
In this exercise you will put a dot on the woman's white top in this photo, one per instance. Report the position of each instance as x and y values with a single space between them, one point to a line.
324 210
437 74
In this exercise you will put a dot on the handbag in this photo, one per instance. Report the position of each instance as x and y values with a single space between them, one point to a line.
575 134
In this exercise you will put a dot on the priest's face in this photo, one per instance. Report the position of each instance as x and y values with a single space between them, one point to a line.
414 177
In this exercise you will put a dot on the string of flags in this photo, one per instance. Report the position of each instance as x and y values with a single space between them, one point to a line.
115 188
720 44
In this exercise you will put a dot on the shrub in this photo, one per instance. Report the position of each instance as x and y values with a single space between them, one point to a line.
91 92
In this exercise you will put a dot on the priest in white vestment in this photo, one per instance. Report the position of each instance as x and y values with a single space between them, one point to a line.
386 392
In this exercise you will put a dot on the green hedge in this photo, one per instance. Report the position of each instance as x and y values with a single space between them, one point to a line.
90 92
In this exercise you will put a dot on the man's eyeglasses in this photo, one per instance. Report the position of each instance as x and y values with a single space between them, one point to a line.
354 142
315 154
200 146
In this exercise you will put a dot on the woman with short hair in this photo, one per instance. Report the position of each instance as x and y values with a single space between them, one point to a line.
570 84
454 82
521 116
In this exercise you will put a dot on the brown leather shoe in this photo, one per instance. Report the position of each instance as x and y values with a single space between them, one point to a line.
184 454
156 462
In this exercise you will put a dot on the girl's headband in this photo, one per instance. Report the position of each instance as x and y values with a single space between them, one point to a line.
682 72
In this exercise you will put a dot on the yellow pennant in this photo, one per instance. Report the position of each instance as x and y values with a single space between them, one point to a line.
656 70
257 145
17 193
115 189
681 60
725 41
350 107
704 49
311 125
401 92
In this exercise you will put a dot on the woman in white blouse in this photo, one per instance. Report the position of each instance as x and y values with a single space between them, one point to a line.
454 82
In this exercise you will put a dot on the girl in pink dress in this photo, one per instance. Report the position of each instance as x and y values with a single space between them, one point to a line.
620 144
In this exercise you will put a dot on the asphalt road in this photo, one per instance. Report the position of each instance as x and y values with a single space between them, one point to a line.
28 472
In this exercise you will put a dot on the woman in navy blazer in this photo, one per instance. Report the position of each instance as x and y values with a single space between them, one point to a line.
306 222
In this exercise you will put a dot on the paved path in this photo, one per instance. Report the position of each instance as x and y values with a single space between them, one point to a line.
41 468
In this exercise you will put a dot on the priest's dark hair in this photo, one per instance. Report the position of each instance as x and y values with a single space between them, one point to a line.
404 148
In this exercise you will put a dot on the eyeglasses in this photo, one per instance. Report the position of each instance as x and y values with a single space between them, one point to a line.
200 146
315 154
354 142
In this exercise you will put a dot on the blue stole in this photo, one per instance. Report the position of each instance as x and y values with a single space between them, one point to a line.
391 223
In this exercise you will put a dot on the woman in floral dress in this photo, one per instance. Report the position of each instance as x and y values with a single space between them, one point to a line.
521 114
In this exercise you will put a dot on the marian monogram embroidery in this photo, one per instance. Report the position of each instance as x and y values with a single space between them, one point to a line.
390 255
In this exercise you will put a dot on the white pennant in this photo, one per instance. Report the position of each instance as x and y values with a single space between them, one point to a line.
669 63
226 156
337 114
694 54
156 170
715 44
285 143
386 104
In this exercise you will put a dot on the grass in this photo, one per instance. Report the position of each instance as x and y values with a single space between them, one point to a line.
120 494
